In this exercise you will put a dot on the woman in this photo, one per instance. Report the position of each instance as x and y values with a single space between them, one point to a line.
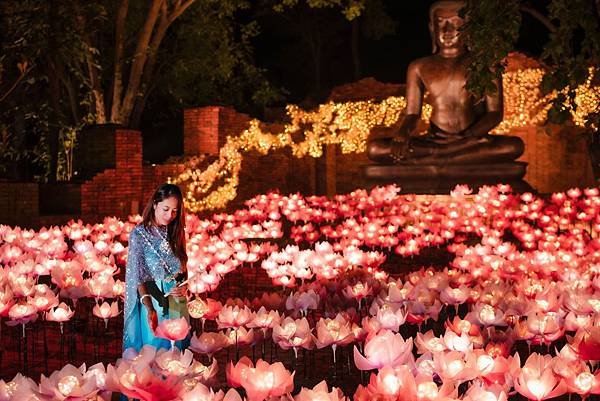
156 268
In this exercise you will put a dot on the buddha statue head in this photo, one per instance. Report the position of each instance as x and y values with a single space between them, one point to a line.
445 24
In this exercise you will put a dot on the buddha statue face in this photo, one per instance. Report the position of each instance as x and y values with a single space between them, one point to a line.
445 24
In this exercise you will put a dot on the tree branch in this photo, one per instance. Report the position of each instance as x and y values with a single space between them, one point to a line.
15 84
539 16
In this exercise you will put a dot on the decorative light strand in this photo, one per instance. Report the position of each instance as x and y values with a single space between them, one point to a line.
348 125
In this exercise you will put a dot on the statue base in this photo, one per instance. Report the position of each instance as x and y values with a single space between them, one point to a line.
441 179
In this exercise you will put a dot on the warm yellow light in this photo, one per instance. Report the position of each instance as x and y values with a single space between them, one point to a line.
349 124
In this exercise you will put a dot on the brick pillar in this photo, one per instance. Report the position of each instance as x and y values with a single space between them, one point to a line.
201 131
116 189
206 128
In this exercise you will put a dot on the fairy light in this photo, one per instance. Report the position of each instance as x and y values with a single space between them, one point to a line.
348 125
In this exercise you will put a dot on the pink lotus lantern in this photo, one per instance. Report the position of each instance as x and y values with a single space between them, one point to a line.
21 314
384 349
389 384
584 383
260 382
69 383
62 313
20 387
202 393
209 343
391 318
320 392
587 343
537 381
265 320
136 379
334 332
455 366
173 330
106 311
234 317
294 334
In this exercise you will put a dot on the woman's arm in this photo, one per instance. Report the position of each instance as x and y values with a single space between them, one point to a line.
146 300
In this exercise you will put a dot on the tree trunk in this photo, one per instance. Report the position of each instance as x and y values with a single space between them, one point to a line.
139 61
118 62
53 73
355 49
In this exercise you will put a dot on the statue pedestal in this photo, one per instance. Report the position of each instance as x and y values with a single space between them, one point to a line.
441 179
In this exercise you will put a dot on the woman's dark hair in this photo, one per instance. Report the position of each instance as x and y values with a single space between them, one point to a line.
175 229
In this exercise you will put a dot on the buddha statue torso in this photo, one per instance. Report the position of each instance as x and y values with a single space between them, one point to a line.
460 124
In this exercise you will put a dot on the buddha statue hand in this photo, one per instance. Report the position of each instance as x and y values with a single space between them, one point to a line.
400 149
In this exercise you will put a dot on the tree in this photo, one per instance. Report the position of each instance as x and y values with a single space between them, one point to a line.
98 62
573 45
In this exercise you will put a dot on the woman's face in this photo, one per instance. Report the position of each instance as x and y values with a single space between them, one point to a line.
165 211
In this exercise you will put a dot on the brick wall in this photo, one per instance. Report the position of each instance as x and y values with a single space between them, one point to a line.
558 158
116 191
157 174
19 203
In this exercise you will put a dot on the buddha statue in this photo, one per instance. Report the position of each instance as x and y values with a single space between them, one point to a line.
457 147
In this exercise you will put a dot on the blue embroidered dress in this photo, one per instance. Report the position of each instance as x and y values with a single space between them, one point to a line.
150 260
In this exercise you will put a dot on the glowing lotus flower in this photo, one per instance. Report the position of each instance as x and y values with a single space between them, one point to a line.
202 393
583 383
262 381
19 388
492 393
173 329
234 317
384 349
208 309
69 383
61 313
587 343
454 296
320 392
209 343
302 301
178 363
428 342
294 334
455 366
134 377
242 336
486 315
336 331
6 303
390 318
537 381
21 314
21 286
43 299
106 311
389 384
455 342
265 320
357 291
545 328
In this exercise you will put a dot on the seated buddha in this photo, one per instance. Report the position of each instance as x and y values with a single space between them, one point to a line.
458 140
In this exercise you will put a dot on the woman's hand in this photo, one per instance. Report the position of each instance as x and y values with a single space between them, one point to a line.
152 319
179 291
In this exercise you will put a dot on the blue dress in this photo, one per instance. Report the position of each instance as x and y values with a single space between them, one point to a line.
150 260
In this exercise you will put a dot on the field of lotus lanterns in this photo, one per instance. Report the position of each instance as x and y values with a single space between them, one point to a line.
490 296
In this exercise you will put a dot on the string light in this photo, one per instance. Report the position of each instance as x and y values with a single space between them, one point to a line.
348 125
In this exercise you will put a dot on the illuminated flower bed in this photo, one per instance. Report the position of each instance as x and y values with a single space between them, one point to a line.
513 315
